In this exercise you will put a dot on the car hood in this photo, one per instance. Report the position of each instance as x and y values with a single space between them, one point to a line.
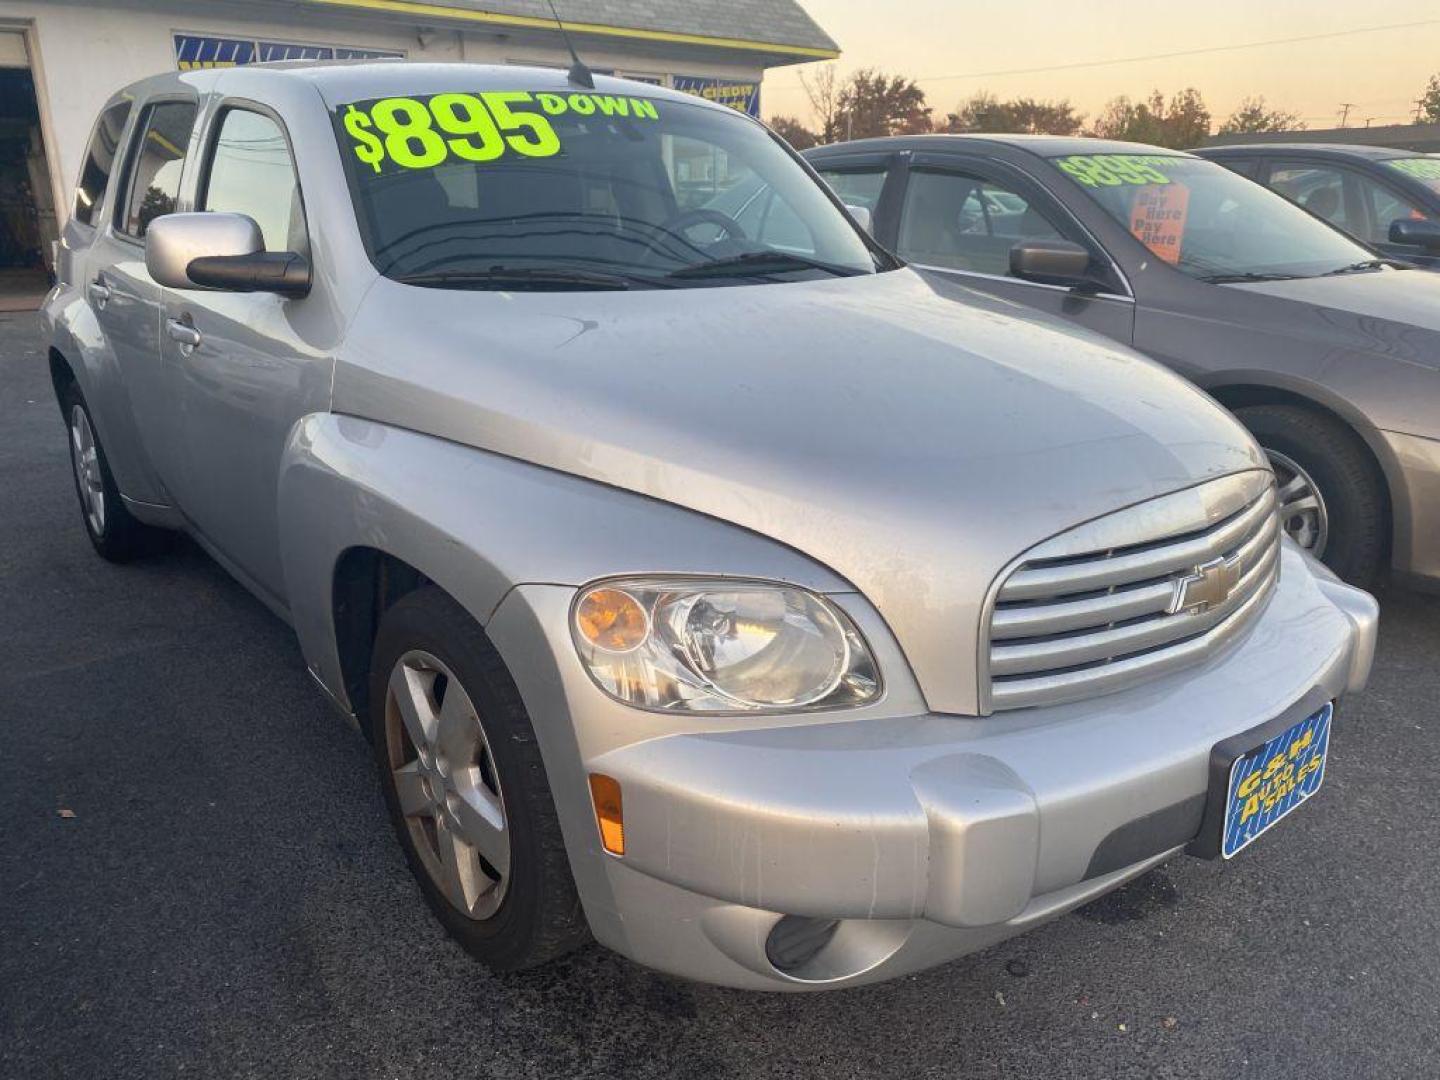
911 444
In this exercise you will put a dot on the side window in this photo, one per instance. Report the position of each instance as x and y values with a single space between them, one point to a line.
157 159
1384 206
100 162
1318 188
856 187
964 222
252 173
1247 167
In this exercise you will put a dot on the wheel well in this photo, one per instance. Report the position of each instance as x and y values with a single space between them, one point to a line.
367 583
1237 397
61 374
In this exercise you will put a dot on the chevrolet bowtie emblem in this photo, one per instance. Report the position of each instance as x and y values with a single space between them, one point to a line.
1209 586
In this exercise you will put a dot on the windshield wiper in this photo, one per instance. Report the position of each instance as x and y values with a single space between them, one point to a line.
1248 275
524 277
1361 267
760 263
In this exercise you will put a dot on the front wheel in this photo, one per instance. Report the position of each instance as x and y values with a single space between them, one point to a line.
466 787
1332 495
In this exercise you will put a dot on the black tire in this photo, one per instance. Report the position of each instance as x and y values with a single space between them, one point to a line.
1346 476
115 533
539 917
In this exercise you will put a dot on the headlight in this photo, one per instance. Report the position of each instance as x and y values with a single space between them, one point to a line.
721 646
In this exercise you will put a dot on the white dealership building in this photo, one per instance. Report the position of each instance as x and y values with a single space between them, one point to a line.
61 59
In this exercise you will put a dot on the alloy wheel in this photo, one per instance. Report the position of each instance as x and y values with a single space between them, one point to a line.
1302 508
446 783
85 458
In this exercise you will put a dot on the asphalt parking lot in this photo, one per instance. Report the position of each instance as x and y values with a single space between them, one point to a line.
197 878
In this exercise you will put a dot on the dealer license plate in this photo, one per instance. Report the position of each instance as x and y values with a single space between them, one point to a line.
1267 783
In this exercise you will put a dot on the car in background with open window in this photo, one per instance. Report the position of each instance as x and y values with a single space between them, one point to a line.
1329 354
1388 199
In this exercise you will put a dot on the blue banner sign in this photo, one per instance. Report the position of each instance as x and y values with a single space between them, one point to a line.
195 51
279 50
741 96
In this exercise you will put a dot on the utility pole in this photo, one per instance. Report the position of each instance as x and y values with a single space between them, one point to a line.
1345 107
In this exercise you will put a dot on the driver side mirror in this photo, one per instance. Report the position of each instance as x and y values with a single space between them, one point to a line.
862 217
224 252
1051 262
1416 233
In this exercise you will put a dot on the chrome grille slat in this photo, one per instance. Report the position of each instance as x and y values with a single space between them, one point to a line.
1067 624
1091 682
1121 641
1075 614
1153 562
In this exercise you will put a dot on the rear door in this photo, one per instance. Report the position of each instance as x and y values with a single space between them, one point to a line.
959 217
85 258
126 300
238 393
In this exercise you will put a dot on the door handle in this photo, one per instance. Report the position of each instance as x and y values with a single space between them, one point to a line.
184 333
99 294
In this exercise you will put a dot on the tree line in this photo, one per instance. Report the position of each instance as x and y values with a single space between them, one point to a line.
870 103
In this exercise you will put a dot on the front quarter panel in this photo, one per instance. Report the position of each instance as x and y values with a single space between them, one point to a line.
478 524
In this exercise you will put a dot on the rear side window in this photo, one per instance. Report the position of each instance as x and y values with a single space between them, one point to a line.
157 160
856 187
100 162
252 173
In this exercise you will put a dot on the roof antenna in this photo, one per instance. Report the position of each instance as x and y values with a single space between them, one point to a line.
579 74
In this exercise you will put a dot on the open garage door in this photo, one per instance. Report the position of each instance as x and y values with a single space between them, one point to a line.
27 211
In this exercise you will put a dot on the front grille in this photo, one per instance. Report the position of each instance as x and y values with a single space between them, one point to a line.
1090 612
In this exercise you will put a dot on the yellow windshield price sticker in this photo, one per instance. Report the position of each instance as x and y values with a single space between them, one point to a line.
423 132
1420 168
1114 170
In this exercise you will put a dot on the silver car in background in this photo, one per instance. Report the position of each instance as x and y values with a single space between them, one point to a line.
705 583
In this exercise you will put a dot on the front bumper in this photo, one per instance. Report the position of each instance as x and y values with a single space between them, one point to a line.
927 836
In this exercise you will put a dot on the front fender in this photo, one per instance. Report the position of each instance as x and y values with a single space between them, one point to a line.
478 524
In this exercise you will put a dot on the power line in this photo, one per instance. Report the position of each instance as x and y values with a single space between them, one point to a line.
1180 53
1185 52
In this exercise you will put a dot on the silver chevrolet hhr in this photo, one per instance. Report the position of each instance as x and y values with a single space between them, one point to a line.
704 582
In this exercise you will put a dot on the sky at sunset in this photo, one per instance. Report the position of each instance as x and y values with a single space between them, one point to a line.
1381 72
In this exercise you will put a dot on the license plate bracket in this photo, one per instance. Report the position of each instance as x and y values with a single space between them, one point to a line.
1296 741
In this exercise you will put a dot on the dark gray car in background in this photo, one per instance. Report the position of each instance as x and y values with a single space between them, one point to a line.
1329 354
1389 199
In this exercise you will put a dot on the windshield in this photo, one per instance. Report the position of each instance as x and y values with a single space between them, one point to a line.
1424 169
1209 222
514 189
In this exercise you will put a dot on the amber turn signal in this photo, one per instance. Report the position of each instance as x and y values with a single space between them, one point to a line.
612 619
605 791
